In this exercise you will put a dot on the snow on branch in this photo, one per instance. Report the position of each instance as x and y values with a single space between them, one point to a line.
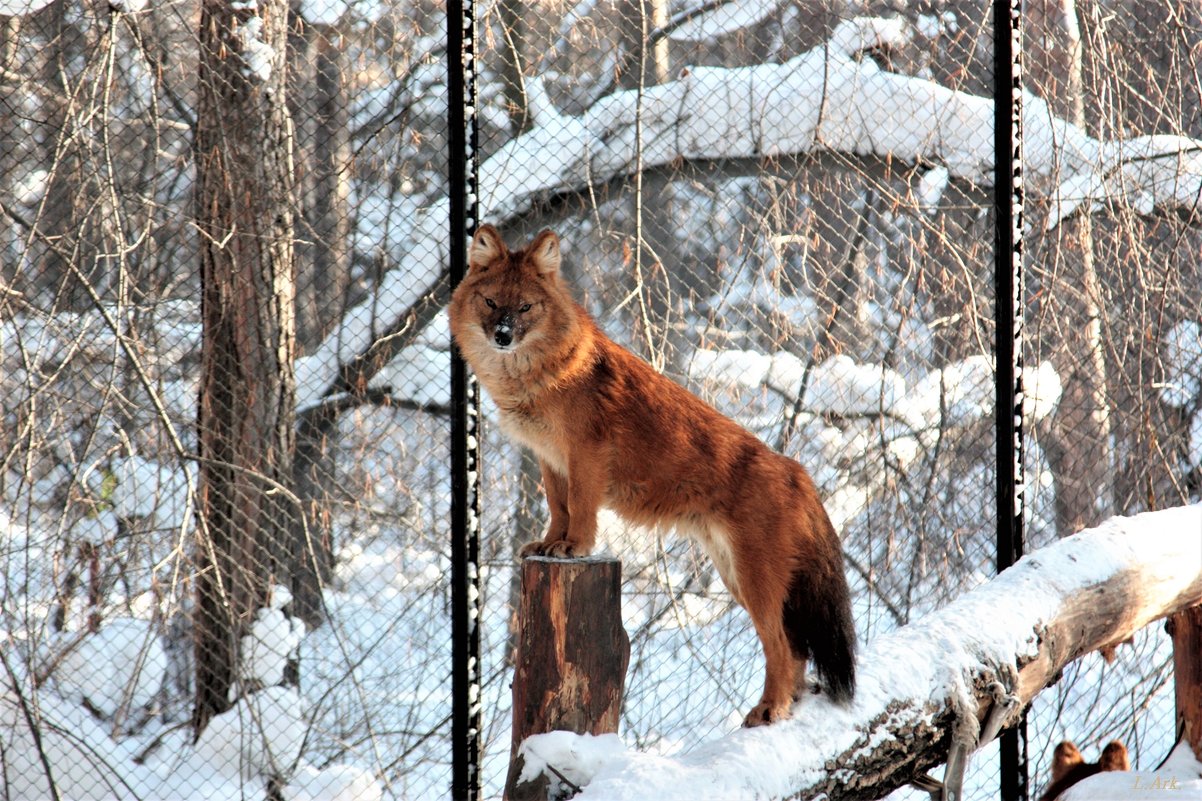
956 676
915 418
828 98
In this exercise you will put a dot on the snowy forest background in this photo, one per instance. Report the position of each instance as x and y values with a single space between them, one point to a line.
784 205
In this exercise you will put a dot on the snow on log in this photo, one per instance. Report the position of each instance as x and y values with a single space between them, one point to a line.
829 98
954 677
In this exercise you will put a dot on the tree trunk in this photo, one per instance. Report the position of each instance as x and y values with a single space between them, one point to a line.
323 285
68 214
1078 446
1186 628
247 395
11 136
323 255
638 63
515 30
572 656
313 536
642 66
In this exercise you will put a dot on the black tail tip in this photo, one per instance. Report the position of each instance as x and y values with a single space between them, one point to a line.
820 627
834 661
840 688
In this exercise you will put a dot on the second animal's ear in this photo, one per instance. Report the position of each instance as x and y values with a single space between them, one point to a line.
1065 758
487 246
544 252
1114 757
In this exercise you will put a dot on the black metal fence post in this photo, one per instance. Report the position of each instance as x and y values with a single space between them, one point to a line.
465 415
1008 203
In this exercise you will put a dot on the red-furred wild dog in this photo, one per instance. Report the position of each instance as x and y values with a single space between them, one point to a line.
1069 767
609 430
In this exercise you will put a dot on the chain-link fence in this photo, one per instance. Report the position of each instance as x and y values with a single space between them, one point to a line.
1113 306
225 493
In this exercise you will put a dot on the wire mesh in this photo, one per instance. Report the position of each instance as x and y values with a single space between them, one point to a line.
1112 302
786 207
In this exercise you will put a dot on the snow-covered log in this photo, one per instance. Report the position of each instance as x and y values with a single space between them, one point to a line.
955 677
829 98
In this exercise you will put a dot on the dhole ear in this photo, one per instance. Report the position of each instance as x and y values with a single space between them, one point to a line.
1114 757
1065 758
544 252
487 246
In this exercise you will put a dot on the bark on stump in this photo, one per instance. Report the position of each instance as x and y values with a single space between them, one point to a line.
1186 629
571 657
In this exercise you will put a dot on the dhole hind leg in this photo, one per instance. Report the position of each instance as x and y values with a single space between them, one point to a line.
762 594
801 687
574 502
782 679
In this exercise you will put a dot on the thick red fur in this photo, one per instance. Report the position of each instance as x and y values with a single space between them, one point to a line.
608 430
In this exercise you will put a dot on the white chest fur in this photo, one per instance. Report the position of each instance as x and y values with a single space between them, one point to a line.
535 434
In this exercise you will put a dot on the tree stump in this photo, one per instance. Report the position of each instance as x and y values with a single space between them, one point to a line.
1186 630
572 655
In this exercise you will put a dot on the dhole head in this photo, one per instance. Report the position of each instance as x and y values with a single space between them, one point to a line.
506 293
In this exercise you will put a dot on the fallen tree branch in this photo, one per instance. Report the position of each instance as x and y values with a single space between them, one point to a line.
937 683
826 99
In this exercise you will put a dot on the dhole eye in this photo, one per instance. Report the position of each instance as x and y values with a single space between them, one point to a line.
490 303
525 308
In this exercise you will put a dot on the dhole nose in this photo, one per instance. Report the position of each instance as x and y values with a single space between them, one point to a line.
503 333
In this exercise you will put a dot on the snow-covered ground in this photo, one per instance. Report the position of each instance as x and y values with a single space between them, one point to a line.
375 677
370 717
104 714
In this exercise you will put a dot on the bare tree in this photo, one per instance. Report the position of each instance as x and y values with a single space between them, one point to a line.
1078 444
318 96
246 417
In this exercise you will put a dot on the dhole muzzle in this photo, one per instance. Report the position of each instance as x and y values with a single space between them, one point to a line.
503 330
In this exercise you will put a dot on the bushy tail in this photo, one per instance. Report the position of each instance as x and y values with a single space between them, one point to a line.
818 621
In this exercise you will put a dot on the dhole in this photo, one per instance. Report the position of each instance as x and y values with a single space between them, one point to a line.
609 430
1069 767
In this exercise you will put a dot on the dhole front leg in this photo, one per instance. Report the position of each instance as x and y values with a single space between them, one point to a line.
573 502
556 488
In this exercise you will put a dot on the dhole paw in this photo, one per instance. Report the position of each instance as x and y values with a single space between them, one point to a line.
561 549
765 714
534 548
